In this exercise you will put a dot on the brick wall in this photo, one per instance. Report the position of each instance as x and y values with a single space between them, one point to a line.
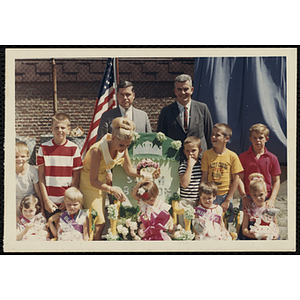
78 83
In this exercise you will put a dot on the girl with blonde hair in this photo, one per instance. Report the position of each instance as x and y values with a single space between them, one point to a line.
103 156
254 216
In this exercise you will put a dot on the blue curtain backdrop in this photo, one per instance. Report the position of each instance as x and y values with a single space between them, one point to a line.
242 91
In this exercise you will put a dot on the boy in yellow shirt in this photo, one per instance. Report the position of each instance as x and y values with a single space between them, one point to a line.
222 166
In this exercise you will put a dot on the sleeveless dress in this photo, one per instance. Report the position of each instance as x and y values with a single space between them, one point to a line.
94 198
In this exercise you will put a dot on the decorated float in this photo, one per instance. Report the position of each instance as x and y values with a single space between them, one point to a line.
155 156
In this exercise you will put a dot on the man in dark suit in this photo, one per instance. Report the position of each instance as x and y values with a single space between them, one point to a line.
186 117
125 97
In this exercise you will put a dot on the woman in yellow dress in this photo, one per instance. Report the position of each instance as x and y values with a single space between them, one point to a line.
104 155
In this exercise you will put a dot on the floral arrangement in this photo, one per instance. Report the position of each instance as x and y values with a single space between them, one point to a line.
176 145
135 137
183 235
141 191
127 230
189 212
112 212
149 166
161 137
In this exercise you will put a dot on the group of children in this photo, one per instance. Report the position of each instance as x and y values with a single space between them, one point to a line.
208 183
49 202
51 192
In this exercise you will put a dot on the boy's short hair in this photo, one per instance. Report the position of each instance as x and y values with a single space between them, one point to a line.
21 146
61 117
225 128
260 128
124 84
209 188
74 194
192 140
28 200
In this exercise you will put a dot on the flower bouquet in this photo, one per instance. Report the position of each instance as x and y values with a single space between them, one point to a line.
147 167
265 224
126 230
182 235
189 213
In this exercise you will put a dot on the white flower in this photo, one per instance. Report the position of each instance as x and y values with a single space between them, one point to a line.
176 145
133 226
189 212
111 237
161 137
137 238
141 191
120 228
128 222
177 234
124 232
135 137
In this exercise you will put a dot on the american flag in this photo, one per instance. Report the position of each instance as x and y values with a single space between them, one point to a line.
106 100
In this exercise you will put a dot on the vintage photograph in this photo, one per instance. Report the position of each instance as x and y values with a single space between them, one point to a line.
150 150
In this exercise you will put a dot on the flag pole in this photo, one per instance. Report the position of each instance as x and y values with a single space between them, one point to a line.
117 70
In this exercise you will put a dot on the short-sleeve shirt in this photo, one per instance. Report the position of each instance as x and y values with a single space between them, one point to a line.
25 183
190 194
220 168
267 165
60 161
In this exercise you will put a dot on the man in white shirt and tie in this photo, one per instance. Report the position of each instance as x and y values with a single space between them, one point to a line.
125 98
177 124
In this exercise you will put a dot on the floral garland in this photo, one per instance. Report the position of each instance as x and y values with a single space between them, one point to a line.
146 163
112 212
189 212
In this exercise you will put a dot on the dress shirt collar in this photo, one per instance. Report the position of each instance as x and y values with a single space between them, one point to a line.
181 107
129 110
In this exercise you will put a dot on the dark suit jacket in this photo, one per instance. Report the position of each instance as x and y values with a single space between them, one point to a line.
139 117
200 125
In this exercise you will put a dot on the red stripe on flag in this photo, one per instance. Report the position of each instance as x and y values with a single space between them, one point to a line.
98 112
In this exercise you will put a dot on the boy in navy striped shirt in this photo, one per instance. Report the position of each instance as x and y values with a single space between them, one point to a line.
190 172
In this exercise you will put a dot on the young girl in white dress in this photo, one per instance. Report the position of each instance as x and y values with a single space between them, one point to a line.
153 210
31 225
259 222
208 222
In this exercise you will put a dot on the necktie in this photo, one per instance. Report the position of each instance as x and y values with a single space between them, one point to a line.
126 113
185 119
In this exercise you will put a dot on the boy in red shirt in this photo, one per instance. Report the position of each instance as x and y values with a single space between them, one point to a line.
259 160
59 162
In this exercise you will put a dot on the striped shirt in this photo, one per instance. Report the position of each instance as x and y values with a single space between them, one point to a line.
190 195
60 161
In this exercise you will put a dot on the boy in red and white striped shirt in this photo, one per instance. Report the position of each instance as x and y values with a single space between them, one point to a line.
59 163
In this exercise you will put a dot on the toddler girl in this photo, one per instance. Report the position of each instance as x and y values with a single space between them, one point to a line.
72 224
154 216
208 222
32 224
259 222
